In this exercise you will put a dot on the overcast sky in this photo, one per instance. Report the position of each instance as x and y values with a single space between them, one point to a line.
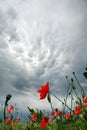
40 41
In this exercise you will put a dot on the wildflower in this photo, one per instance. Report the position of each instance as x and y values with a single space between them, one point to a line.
52 113
52 119
85 105
18 119
11 107
85 100
8 111
76 112
58 113
67 115
7 121
79 108
34 117
43 90
44 122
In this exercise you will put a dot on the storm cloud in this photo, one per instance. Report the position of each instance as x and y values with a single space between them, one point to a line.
41 41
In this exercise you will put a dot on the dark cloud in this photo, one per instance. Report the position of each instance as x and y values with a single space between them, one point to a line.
41 41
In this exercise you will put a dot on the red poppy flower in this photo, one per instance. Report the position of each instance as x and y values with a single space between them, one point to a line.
79 108
7 121
18 119
52 119
43 90
85 105
52 113
11 107
76 112
44 122
34 117
85 100
67 115
8 111
58 113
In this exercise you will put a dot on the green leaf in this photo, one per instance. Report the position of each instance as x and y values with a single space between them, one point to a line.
31 110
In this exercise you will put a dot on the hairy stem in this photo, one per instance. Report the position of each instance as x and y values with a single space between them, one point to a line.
62 102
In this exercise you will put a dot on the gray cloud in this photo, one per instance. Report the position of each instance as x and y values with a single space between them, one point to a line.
41 41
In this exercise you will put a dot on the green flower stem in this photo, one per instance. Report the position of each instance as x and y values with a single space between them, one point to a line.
61 101
51 106
5 110
82 90
6 103
65 100
49 100
73 87
71 98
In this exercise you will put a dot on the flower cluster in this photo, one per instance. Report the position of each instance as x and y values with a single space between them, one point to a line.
11 120
77 111
11 108
43 91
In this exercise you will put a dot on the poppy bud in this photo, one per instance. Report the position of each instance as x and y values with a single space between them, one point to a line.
49 98
74 73
8 97
72 79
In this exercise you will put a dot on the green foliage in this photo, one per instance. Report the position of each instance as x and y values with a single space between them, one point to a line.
31 110
38 113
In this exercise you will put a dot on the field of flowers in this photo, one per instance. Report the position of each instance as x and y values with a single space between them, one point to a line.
73 117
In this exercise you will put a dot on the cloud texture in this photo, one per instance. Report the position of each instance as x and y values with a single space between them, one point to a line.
41 41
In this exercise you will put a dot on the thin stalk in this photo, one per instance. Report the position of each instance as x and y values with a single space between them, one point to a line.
5 110
71 84
71 90
66 95
51 106
82 90
6 103
73 87
49 100
62 102
71 98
